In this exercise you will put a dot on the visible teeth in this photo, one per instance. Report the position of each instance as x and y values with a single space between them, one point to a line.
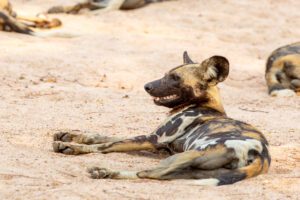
170 97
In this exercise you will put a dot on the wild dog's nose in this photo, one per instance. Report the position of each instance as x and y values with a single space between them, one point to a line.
148 87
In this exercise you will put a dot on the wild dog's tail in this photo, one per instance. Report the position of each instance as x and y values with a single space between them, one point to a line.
225 177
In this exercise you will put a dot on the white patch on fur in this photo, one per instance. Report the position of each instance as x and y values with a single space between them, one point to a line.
211 72
115 4
186 121
190 133
201 143
283 93
127 175
242 148
209 181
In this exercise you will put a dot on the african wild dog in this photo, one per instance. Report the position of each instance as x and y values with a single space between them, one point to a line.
283 71
10 21
205 143
102 4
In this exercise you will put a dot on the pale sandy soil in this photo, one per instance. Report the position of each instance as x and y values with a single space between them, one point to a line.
50 83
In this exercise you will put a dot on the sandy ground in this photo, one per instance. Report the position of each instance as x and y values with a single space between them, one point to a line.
50 83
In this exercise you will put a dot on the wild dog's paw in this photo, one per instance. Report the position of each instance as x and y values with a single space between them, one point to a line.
66 136
67 148
100 173
283 93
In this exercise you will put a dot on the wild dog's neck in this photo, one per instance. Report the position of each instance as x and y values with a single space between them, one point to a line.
214 99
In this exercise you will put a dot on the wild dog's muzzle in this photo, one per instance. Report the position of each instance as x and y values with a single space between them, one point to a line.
164 92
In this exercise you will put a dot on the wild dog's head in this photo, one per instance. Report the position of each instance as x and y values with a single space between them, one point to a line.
188 83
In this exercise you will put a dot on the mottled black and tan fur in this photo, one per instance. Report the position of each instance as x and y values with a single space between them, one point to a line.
205 144
10 21
102 4
283 71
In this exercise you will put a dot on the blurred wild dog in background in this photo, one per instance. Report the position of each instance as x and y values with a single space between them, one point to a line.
283 71
102 4
10 21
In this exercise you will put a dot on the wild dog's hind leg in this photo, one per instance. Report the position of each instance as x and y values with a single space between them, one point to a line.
216 166
135 144
177 166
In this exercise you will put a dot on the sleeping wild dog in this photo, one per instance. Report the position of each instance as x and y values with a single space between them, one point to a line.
10 21
101 4
205 144
283 71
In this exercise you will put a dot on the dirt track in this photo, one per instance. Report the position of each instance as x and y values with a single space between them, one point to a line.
50 83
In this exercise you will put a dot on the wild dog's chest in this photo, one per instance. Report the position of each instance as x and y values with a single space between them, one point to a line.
182 123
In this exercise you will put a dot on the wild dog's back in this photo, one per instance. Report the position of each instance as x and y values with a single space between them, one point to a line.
281 52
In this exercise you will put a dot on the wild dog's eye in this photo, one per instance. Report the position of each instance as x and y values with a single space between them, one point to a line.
174 77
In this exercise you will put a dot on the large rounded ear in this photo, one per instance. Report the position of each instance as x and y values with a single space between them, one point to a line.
216 69
187 59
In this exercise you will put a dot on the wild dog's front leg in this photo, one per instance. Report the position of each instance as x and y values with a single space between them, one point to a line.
82 137
135 144
171 129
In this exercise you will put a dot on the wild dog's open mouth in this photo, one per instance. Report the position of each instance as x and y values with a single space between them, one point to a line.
166 99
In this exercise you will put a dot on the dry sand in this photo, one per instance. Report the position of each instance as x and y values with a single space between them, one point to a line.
50 83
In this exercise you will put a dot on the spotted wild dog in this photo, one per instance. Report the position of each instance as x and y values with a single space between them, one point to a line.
102 4
283 71
10 21
205 143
